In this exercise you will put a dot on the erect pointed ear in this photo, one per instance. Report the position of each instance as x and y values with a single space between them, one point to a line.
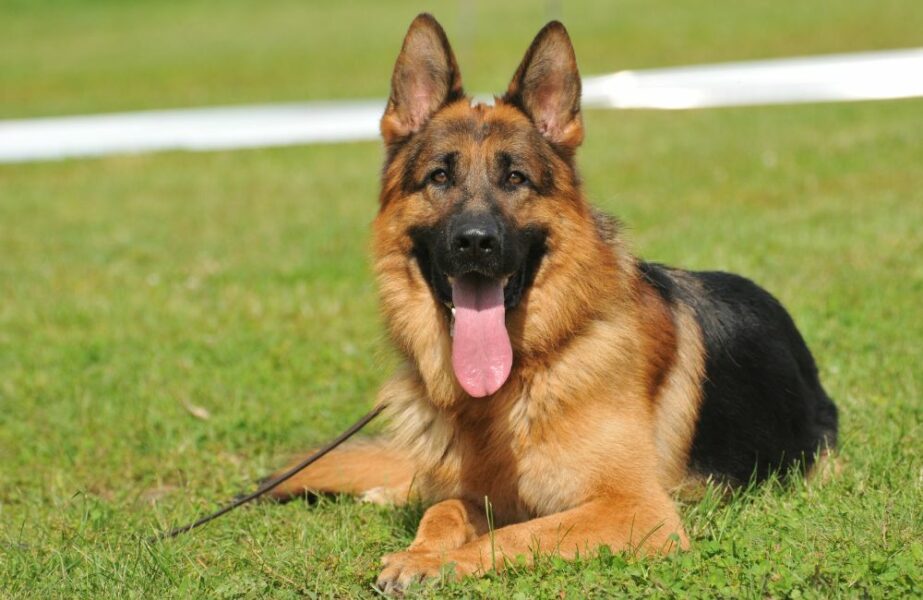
546 87
425 79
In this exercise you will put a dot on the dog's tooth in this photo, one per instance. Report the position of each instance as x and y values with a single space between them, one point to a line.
452 324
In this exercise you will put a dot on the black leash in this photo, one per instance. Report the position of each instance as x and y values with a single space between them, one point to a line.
271 484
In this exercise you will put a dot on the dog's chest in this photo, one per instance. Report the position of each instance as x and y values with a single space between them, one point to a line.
548 482
524 471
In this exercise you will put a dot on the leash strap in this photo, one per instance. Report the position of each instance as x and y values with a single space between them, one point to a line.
273 483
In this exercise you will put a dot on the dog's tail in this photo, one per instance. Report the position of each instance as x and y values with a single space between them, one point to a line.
372 469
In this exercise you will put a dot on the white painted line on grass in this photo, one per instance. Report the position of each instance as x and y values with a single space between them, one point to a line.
834 78
214 128
844 77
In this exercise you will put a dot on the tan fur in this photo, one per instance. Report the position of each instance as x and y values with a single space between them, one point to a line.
583 442
678 404
828 465
357 468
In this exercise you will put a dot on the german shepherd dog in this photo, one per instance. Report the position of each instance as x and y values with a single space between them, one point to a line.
548 375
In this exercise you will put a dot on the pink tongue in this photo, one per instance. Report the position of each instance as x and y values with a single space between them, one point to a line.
481 353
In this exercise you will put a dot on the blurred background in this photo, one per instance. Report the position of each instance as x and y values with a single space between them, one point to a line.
175 325
73 56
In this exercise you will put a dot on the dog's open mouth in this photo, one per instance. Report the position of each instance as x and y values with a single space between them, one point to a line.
482 356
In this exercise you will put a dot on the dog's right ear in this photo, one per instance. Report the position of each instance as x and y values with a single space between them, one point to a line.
425 79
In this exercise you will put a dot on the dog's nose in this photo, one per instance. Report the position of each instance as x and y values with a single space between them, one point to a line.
475 242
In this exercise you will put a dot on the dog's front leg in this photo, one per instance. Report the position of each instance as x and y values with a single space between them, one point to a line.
448 525
647 523
445 526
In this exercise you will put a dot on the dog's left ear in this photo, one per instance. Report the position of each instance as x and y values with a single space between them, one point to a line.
546 86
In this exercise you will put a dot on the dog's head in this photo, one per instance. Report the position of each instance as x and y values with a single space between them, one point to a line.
476 203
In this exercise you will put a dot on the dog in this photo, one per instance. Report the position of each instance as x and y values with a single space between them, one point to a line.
555 390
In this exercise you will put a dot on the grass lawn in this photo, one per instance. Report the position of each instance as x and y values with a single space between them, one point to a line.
139 292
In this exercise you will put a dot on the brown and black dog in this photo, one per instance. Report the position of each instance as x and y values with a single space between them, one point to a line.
547 371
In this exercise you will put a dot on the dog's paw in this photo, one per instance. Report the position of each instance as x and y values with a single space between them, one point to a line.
381 496
403 569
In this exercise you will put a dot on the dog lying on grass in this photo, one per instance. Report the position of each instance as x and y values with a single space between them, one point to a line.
547 371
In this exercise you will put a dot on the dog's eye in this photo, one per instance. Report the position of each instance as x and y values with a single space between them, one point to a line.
516 178
439 176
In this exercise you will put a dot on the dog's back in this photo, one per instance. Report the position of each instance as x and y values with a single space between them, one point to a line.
762 409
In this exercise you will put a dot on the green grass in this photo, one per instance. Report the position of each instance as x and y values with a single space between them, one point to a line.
132 287
67 56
